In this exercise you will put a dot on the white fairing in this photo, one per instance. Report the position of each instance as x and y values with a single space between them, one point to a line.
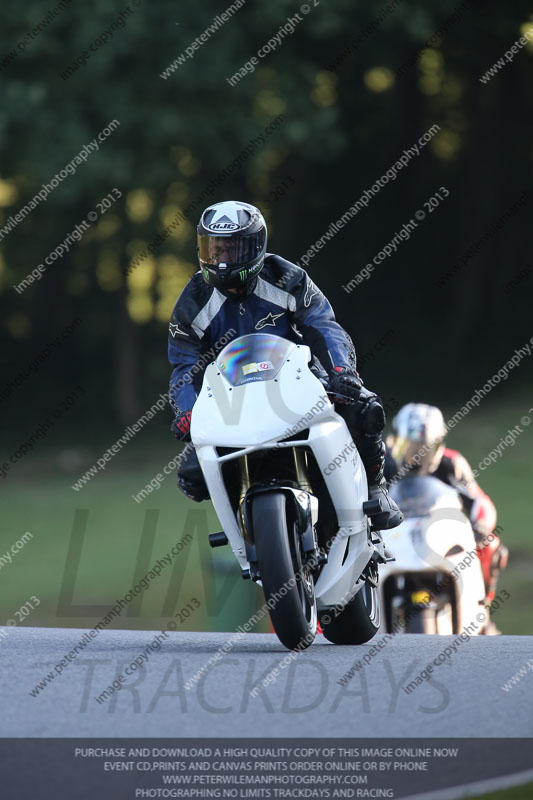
422 543
255 416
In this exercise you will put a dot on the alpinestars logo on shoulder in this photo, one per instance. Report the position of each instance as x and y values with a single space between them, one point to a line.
270 319
175 329
310 292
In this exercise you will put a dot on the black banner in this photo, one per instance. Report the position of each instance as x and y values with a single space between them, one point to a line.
56 769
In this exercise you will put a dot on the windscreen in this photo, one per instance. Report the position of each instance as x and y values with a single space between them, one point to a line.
417 496
254 357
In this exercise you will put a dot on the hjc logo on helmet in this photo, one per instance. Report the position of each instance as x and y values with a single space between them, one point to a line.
223 226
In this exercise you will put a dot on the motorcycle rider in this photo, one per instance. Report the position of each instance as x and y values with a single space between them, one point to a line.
242 287
417 446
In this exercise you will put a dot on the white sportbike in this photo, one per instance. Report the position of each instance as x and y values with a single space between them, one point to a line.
296 516
435 584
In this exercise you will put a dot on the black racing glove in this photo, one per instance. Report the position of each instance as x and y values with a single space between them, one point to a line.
345 384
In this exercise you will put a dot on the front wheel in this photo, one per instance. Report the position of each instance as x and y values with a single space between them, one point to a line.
287 583
423 620
431 620
357 622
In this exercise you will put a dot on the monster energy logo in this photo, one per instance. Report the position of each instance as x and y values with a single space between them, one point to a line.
206 273
244 274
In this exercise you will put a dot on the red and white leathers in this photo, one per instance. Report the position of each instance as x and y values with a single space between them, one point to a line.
455 470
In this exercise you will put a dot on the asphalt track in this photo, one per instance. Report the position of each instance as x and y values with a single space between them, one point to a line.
463 696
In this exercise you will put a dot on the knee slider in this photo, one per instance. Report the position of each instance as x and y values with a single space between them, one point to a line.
372 416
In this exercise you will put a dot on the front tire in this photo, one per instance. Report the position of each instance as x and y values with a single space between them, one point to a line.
432 620
287 583
359 620
424 621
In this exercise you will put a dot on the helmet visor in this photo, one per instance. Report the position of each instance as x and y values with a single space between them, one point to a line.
233 251
418 456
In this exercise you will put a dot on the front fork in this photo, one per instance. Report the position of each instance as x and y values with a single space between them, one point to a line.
305 509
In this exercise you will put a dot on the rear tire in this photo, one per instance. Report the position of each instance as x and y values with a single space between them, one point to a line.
279 559
359 620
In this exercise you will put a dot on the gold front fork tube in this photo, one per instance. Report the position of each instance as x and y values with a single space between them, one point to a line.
245 485
245 476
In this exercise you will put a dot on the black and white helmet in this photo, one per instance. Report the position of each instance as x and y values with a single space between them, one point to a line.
232 239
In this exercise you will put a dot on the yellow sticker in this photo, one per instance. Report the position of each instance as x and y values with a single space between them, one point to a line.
420 597
247 368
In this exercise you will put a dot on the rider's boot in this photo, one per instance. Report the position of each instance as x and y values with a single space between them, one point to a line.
366 421
373 457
